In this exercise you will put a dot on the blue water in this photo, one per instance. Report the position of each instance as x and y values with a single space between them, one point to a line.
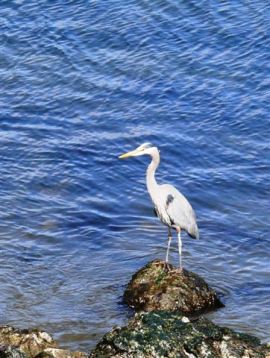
81 83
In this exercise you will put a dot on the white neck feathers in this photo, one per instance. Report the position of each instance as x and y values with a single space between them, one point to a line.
151 183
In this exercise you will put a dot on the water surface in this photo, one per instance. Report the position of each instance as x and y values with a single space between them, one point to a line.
84 81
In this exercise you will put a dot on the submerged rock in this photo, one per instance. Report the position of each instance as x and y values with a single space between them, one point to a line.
155 287
31 342
60 353
169 334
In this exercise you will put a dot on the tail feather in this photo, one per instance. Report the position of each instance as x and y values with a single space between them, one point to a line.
194 232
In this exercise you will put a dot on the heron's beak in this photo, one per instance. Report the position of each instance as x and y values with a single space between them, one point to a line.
133 153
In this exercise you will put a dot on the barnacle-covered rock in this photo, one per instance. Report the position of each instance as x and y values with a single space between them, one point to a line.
33 343
160 287
169 334
11 352
30 342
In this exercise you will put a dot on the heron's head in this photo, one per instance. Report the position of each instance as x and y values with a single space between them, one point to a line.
145 148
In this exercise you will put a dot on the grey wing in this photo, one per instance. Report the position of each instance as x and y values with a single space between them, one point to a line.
180 211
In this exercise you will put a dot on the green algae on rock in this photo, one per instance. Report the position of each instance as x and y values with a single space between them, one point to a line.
169 334
155 288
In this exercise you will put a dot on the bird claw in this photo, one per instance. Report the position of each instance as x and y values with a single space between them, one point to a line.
180 270
167 267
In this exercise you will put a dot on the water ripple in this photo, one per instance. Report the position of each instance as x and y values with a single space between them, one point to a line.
81 83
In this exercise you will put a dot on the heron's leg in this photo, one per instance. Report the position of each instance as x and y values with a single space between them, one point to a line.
169 244
179 246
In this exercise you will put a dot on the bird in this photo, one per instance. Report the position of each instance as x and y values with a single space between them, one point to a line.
171 206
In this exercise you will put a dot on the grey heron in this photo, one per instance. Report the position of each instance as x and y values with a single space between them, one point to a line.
172 208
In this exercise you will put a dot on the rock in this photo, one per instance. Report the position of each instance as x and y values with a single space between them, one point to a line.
169 334
24 343
60 353
156 288
31 342
11 352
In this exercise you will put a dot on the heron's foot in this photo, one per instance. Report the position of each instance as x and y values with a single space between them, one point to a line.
167 267
180 270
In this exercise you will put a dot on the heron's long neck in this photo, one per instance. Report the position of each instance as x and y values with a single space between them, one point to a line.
151 183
